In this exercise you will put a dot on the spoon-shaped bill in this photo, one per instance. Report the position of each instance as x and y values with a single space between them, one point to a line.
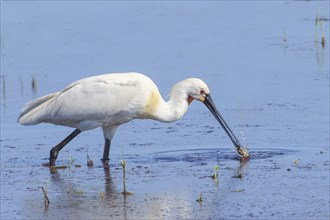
211 106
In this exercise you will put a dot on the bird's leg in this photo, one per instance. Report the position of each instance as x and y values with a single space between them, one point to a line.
105 158
55 150
108 132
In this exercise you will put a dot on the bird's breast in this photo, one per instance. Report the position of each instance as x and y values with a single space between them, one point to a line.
151 105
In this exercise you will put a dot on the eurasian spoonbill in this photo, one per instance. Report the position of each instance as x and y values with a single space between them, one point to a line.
110 100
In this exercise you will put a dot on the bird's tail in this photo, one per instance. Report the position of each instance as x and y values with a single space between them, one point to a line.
31 112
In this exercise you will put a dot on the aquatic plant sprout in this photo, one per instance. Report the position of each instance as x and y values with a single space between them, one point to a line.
323 35
284 35
70 161
216 171
123 164
319 22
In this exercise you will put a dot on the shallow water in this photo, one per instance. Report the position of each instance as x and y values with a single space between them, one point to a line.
273 93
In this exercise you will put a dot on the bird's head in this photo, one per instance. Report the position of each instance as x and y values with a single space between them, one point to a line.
191 89
197 89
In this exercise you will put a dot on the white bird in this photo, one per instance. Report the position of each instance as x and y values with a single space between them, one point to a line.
110 100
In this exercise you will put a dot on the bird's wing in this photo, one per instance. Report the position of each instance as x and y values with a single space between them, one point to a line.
93 102
31 107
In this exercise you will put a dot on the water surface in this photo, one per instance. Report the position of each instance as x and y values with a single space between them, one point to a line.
267 75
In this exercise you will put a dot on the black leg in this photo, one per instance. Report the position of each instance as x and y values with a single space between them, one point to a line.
105 158
55 150
108 132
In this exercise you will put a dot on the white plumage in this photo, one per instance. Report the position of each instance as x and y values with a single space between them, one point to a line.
110 100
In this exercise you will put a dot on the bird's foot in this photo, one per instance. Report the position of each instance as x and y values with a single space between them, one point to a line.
53 156
105 163
52 162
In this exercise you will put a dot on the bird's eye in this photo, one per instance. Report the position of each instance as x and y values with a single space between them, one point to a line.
202 92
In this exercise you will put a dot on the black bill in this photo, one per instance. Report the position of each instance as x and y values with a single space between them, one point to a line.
210 105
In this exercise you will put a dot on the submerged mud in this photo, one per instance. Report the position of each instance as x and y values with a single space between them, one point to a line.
274 182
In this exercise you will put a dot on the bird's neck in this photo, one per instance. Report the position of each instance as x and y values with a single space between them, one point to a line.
173 109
